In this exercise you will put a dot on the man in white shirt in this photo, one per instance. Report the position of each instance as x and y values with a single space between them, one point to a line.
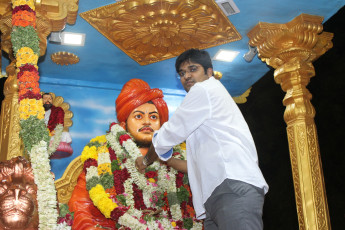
227 185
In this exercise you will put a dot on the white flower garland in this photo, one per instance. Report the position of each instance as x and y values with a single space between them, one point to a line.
166 182
57 139
165 179
46 193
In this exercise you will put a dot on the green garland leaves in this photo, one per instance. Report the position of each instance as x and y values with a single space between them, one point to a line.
33 130
25 37
107 181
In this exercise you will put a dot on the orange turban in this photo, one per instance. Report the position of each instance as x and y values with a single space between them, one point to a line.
135 93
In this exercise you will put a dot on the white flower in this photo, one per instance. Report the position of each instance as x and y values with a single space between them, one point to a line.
103 158
91 172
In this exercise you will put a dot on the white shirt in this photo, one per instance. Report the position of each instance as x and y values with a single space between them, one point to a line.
47 115
219 143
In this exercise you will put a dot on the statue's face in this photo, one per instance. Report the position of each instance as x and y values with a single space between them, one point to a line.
142 122
16 206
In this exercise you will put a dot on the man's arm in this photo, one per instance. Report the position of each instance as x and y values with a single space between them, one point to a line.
178 164
141 163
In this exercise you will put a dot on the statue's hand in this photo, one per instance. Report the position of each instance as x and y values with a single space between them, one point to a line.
139 164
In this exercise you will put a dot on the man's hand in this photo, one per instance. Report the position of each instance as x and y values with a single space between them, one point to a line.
139 164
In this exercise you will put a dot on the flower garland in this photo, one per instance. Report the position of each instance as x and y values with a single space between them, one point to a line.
25 44
158 199
57 139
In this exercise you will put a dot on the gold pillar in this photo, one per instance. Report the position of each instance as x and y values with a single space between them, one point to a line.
9 122
291 48
51 15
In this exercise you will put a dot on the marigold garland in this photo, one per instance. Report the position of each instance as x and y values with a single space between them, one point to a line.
24 18
25 45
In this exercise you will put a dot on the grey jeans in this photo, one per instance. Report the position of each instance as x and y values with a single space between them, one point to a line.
234 205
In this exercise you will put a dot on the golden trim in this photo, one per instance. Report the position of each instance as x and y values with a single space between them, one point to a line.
155 30
243 98
65 185
64 58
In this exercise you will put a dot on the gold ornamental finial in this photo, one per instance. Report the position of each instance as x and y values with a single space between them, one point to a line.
64 58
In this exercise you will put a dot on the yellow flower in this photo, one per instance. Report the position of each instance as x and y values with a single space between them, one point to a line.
32 113
101 199
104 168
34 107
23 116
32 102
106 205
173 224
100 139
40 115
183 145
89 152
151 180
23 108
30 3
97 193
102 149
26 55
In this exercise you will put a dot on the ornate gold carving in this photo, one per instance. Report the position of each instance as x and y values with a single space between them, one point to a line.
155 30
64 58
296 177
51 15
290 48
43 24
59 102
277 44
65 185
243 98
9 124
58 11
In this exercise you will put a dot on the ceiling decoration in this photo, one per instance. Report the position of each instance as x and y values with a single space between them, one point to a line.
155 30
64 58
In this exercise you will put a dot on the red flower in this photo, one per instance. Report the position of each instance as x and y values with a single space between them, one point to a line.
124 138
118 182
90 162
138 198
118 212
179 179
30 95
151 174
112 154
111 125
27 67
22 8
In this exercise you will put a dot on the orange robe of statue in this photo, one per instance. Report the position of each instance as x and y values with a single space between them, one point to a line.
86 215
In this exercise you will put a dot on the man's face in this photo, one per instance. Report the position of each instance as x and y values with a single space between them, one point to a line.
193 73
142 122
47 102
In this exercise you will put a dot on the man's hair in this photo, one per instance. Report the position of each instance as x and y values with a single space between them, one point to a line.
48 94
201 57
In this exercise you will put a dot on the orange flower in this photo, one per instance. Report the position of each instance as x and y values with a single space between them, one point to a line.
24 18
28 76
111 191
190 210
